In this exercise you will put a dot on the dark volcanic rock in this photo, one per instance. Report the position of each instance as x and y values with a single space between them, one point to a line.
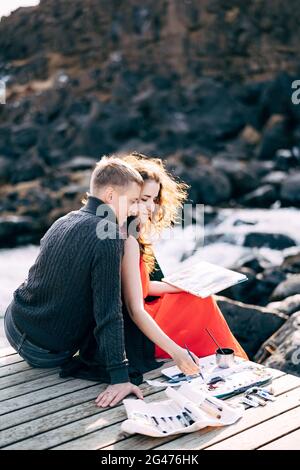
290 190
24 136
264 196
220 116
265 282
188 79
225 36
78 163
209 186
5 169
265 285
27 169
242 292
5 139
277 135
276 241
250 324
274 177
291 263
242 177
285 160
18 230
275 98
254 265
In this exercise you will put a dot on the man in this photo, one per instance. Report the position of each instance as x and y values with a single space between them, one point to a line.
74 286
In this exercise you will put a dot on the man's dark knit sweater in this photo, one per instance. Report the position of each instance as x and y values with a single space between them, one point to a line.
75 286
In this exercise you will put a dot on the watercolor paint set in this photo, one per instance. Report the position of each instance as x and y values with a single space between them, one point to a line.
218 382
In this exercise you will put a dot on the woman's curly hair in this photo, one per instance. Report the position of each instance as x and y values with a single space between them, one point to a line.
171 197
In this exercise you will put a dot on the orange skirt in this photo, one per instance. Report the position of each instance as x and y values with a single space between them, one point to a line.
184 318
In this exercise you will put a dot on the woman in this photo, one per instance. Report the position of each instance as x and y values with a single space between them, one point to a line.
183 317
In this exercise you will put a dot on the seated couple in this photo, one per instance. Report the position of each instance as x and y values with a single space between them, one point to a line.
88 290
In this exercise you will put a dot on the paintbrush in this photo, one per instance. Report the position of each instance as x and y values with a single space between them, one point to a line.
215 341
191 356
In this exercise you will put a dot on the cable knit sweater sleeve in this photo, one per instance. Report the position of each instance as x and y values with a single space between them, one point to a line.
106 286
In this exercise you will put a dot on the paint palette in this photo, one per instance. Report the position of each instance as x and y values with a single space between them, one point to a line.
222 382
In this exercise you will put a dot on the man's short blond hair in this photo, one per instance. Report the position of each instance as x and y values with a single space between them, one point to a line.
113 171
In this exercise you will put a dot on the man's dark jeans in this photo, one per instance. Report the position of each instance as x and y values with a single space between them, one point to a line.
34 355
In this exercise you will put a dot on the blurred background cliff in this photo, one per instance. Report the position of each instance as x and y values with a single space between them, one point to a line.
205 85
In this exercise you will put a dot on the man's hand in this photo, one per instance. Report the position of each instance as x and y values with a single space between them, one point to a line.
116 392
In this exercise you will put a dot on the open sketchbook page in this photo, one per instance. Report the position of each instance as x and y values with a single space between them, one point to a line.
203 278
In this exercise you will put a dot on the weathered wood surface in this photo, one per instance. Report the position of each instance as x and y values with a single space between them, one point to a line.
39 410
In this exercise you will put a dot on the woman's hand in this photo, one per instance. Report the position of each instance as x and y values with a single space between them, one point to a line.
184 362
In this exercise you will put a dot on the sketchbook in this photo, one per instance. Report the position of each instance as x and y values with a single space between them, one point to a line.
203 279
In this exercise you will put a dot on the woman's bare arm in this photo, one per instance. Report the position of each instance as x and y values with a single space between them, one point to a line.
133 296
159 288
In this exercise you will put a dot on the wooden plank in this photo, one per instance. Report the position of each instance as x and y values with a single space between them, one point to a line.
83 419
29 387
7 351
252 417
38 404
264 432
112 434
97 433
25 376
6 360
59 418
289 442
93 421
208 436
44 408
13 369
42 395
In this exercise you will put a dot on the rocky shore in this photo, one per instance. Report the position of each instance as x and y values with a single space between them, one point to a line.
205 85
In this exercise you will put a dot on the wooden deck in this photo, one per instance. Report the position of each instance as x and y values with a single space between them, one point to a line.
39 410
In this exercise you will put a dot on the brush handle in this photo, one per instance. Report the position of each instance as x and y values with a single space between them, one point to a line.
214 340
190 354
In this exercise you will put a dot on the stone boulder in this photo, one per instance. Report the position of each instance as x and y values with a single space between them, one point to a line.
264 196
287 306
275 241
18 230
266 282
242 177
290 190
78 163
4 169
250 324
210 186
28 167
276 135
291 262
290 286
